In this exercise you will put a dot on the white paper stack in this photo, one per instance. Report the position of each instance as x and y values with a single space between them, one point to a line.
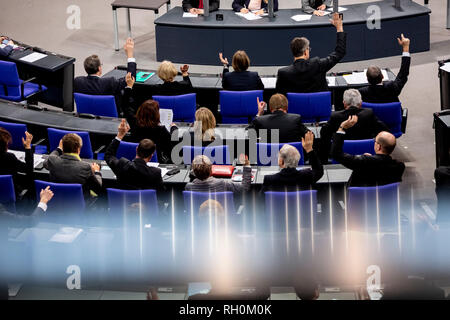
340 9
331 81
166 117
66 235
249 15
301 17
32 57
189 15
446 67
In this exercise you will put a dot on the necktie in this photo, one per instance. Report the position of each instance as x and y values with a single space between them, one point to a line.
200 4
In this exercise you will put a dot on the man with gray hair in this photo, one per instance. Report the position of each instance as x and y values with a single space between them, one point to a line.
367 127
289 178
203 181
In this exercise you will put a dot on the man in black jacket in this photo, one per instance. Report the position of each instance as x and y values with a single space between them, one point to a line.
388 91
367 127
289 178
197 6
289 125
309 75
8 48
368 170
11 220
94 84
134 174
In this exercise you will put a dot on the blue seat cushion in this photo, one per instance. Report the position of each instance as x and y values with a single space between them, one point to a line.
29 89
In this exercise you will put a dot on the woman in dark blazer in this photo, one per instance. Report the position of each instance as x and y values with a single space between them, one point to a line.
145 124
245 6
240 79
167 73
196 6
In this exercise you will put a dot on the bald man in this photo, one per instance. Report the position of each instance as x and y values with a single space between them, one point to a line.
368 170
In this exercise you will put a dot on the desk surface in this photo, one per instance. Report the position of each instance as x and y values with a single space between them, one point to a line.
356 13
52 62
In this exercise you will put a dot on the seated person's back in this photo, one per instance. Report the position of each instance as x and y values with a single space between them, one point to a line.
290 127
240 79
289 178
167 73
135 174
369 170
65 166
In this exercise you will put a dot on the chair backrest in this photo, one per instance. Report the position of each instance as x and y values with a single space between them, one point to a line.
127 150
17 131
373 208
96 104
357 147
193 201
55 135
183 106
267 153
313 107
290 211
217 154
129 206
7 193
9 81
68 197
239 106
389 113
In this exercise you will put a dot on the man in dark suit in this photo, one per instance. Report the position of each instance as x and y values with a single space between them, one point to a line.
12 220
134 174
388 91
8 47
309 75
289 178
289 126
196 6
94 84
368 170
367 127
65 165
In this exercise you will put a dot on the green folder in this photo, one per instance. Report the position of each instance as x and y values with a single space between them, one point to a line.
143 76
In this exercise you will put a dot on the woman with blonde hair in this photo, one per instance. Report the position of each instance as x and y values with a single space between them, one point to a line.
167 73
240 79
204 125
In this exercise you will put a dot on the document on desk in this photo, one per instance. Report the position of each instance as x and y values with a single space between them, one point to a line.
166 117
163 172
33 57
249 16
446 67
340 9
20 155
331 81
189 15
66 235
269 82
302 17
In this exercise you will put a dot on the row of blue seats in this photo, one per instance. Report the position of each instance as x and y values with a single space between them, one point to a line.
236 106
300 205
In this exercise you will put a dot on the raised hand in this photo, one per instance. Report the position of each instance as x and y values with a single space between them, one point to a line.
129 47
337 22
130 80
46 195
123 129
184 70
222 59
404 42
95 167
261 106
350 122
27 141
243 159
307 141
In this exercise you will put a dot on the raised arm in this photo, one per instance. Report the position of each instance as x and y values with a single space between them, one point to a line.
316 166
402 76
340 50
111 150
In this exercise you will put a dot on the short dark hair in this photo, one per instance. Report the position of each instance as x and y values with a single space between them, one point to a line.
92 64
374 75
386 145
148 114
145 148
307 288
71 142
5 140
299 46
278 101
240 61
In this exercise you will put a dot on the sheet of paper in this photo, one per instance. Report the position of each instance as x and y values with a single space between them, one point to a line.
325 12
20 155
331 81
248 16
269 82
33 57
340 9
38 159
189 15
153 164
302 17
356 78
446 67
163 172
166 117
66 235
